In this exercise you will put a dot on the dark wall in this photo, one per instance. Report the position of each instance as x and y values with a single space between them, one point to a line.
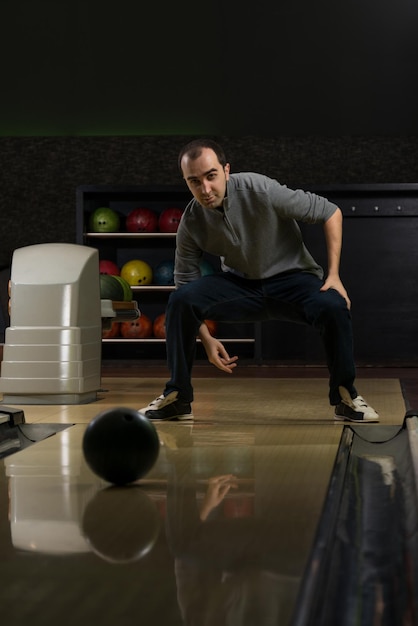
98 92
272 67
39 175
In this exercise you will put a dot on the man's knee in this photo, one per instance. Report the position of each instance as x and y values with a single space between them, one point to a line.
327 307
334 307
185 301
176 302
335 300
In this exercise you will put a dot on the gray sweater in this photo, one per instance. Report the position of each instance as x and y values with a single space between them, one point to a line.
256 235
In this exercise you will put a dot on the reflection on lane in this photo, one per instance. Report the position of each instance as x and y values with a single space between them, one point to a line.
233 509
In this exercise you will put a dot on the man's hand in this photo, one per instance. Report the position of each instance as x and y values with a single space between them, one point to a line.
216 352
334 282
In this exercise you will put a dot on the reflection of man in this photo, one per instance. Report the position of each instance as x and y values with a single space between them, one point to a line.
227 570
218 488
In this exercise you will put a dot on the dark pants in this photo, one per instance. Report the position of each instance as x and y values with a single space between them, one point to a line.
225 297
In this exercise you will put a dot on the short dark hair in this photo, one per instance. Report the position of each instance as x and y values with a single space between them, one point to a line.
194 149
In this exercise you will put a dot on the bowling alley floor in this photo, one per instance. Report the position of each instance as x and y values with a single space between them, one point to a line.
223 529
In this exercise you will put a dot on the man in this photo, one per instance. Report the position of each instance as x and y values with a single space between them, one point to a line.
250 222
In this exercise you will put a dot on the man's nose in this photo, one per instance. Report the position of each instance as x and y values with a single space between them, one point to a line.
206 188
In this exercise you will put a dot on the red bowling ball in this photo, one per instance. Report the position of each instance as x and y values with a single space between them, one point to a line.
108 267
159 326
169 220
212 326
140 328
112 332
142 220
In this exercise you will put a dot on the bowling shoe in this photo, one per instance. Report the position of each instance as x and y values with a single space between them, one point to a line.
354 409
168 407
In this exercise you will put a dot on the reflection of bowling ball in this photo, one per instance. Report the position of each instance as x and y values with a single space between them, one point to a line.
164 273
239 506
141 328
142 220
169 220
158 327
104 220
120 445
137 272
121 524
108 267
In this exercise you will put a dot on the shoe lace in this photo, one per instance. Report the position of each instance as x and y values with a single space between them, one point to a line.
359 401
156 401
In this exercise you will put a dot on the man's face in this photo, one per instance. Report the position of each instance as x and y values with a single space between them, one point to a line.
206 178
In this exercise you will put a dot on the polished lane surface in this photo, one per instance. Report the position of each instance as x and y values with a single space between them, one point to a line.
218 532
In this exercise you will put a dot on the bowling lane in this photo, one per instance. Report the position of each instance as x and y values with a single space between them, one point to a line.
219 530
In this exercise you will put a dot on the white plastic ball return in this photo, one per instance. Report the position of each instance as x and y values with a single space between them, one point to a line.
52 350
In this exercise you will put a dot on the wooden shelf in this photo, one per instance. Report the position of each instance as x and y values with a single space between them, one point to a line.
155 340
120 235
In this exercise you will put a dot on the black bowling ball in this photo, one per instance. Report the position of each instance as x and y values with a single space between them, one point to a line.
120 445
